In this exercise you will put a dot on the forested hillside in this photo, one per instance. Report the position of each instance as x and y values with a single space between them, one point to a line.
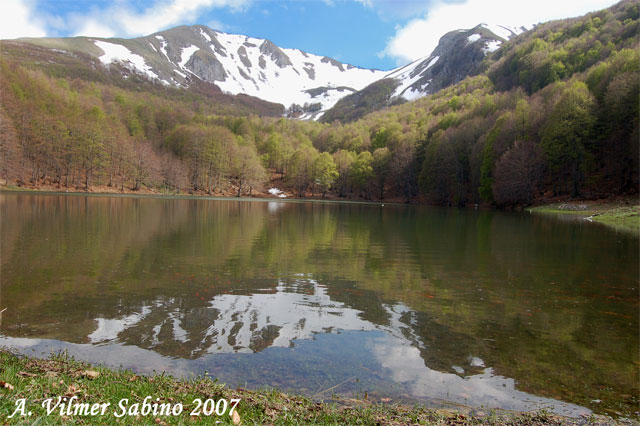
556 113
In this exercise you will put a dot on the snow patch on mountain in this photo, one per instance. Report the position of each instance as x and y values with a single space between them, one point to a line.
118 53
186 54
473 38
433 62
163 46
326 97
491 46
503 31
205 35
408 76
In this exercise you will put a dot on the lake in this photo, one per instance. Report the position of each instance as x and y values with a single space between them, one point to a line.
413 303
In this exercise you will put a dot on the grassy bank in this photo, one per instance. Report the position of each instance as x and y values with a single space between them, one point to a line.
37 380
621 214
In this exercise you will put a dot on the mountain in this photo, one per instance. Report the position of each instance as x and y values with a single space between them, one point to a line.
459 54
304 83
307 85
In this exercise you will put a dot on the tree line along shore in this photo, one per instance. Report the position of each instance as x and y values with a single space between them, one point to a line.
554 114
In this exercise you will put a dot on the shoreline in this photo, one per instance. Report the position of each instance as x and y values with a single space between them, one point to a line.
199 196
537 205
37 381
620 213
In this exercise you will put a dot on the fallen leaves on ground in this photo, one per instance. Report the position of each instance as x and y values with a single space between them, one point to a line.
5 385
90 374
72 390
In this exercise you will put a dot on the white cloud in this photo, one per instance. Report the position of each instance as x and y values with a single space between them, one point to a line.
17 20
95 29
218 25
419 37
20 18
124 21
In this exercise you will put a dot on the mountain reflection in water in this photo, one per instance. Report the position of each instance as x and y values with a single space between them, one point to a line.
166 338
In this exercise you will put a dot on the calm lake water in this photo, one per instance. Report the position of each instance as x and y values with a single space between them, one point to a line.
441 306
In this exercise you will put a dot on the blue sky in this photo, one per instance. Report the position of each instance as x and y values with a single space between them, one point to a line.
368 33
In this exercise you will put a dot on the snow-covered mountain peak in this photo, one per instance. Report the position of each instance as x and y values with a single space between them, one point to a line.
459 54
237 64
460 50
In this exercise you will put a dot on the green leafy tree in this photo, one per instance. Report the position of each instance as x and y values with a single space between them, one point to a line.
247 170
381 168
90 141
567 131
488 160
302 170
343 160
326 172
438 173
361 173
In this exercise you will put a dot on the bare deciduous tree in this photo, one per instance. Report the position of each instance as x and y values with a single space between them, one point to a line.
517 174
